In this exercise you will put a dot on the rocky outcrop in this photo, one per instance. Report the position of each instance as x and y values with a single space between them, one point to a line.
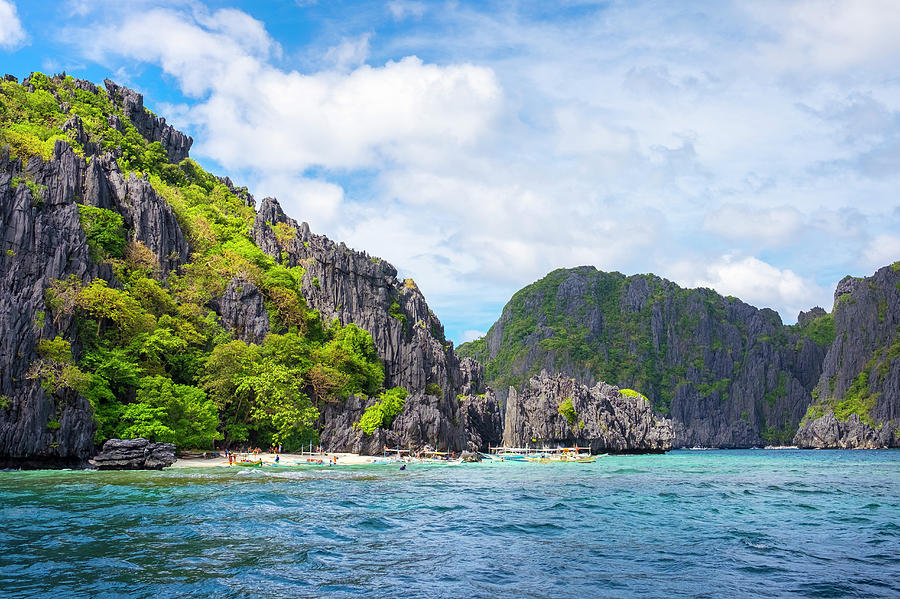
176 144
134 454
557 410
243 311
827 432
355 287
728 374
860 378
807 317
148 217
425 420
41 241
482 420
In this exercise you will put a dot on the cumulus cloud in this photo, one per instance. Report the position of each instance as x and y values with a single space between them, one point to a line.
255 115
639 137
12 34
830 35
740 221
881 251
402 9
472 335
761 284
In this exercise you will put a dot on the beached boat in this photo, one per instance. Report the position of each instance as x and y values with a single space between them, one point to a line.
248 463
580 455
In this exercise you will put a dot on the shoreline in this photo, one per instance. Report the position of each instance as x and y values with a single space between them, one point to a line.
287 459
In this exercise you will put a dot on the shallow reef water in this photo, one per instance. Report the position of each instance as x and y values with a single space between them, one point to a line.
747 523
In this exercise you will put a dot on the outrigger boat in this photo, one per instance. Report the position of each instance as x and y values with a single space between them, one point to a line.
579 455
436 457
392 456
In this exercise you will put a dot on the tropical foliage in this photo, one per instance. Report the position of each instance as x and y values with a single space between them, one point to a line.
153 358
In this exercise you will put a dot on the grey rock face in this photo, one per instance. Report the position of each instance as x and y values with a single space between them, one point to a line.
355 287
42 241
134 454
176 144
828 432
425 420
243 311
148 217
729 373
604 419
483 420
862 363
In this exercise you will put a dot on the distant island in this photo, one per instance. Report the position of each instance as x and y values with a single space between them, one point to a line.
147 298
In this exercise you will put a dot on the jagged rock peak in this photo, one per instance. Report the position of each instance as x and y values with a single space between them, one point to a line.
176 144
857 398
134 454
810 315
355 287
559 410
243 310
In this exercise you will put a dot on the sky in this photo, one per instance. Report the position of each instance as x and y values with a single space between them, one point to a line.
750 147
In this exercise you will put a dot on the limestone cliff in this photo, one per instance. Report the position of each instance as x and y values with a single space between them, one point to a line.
552 410
728 374
44 241
857 398
355 287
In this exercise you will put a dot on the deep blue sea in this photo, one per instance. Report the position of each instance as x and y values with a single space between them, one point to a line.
686 524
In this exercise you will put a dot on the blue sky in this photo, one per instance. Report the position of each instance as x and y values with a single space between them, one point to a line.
749 147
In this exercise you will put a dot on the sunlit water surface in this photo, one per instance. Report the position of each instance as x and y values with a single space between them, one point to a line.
686 524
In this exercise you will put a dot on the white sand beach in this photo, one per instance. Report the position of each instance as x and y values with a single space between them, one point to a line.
287 459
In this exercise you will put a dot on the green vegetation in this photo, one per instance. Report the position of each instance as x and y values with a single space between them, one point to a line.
779 436
153 359
434 390
104 231
779 392
567 411
859 398
820 330
395 312
619 346
381 414
55 368
633 393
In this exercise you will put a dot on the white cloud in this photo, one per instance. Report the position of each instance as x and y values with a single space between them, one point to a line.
256 116
401 9
739 221
761 284
639 137
349 54
308 200
880 251
472 335
830 35
12 34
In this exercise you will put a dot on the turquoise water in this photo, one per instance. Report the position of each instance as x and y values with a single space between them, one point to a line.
686 524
